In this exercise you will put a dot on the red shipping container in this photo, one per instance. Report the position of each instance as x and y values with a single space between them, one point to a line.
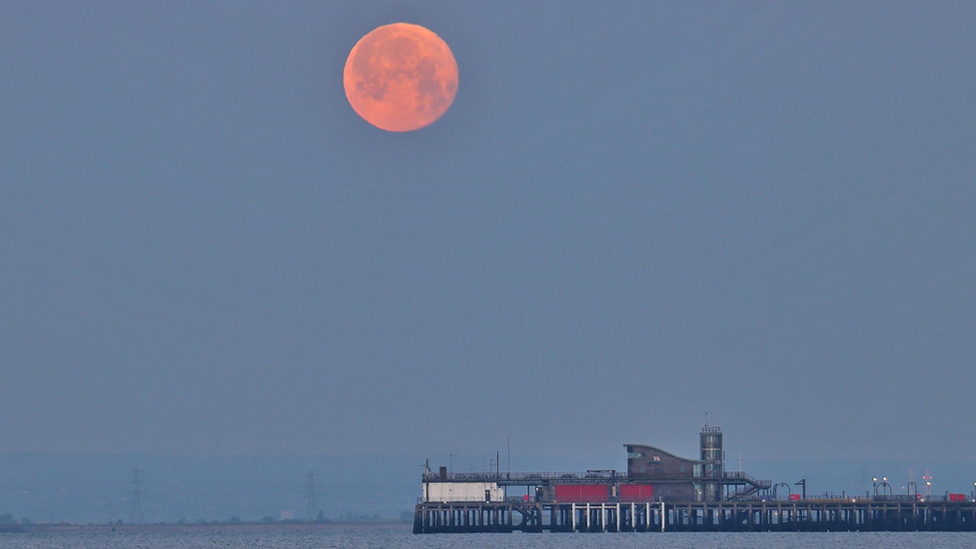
582 493
636 492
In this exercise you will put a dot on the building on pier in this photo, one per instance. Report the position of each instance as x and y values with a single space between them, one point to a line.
653 475
445 489
683 479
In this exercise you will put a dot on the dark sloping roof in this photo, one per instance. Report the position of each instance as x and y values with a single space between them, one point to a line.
655 450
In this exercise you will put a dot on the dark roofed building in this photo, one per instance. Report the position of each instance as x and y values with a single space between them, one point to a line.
678 478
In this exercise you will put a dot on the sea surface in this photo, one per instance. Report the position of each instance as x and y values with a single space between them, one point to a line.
403 539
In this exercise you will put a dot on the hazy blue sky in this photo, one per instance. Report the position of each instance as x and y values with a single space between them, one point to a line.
633 214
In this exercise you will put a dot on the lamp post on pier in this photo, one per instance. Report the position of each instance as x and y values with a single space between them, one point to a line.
882 486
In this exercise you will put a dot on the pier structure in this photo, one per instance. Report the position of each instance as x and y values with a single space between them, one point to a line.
662 492
814 515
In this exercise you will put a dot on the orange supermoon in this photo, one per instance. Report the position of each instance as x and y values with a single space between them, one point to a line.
400 77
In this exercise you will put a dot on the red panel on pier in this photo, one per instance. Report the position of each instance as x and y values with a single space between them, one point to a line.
582 493
636 492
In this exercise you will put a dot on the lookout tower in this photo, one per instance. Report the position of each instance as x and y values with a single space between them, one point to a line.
711 447
713 458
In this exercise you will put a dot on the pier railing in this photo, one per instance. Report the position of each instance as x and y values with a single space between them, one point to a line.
518 477
573 478
747 478
855 498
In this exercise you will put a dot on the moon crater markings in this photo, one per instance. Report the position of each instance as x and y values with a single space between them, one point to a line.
400 77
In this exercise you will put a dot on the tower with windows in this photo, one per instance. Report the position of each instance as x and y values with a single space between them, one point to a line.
713 458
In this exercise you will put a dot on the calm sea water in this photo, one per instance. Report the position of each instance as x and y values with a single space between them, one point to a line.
396 539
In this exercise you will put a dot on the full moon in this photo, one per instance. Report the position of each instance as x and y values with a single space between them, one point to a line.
400 77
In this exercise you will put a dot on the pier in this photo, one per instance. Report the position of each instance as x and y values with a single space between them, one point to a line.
663 492
814 515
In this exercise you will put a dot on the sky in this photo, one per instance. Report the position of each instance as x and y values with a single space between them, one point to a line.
634 214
